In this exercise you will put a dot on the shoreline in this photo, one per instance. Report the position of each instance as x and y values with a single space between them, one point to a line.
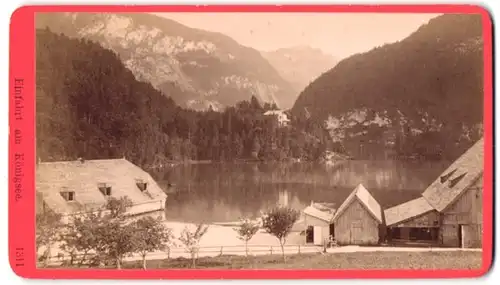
292 161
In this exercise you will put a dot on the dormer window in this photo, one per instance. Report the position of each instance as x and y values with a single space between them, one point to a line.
454 181
447 176
68 195
105 189
141 184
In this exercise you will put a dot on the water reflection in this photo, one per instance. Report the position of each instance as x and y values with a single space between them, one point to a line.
223 192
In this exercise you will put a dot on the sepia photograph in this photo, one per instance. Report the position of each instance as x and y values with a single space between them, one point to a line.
235 140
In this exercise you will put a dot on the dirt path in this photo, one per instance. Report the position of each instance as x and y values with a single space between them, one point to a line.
223 240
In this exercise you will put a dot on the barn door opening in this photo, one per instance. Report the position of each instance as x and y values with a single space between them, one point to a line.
310 234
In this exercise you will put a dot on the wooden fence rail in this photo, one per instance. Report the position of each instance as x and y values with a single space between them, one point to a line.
206 251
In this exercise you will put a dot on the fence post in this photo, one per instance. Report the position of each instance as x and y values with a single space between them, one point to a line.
221 250
271 250
299 248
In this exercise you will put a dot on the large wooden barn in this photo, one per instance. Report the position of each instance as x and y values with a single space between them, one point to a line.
458 196
73 187
358 220
449 213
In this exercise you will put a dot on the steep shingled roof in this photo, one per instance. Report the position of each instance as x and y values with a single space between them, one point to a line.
406 211
84 177
366 199
457 178
321 211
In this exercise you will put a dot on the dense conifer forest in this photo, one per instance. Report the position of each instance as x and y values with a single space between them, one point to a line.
90 105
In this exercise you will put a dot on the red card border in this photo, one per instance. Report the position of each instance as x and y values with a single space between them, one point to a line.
21 211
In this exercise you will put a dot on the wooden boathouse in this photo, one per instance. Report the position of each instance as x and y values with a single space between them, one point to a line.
449 213
457 195
357 221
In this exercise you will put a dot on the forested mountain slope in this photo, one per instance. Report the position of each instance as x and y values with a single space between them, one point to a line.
196 68
422 96
90 105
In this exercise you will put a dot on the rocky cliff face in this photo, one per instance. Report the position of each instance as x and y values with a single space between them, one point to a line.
197 68
422 96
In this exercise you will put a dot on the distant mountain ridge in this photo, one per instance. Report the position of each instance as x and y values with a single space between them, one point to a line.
90 105
300 65
421 96
196 68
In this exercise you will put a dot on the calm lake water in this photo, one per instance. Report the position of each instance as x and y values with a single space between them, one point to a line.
224 192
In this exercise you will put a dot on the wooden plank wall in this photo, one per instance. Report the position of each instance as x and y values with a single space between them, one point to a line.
466 211
449 235
356 226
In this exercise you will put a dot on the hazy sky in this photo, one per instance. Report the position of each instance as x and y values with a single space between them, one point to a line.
338 34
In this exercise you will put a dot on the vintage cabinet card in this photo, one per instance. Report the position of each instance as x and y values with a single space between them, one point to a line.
243 142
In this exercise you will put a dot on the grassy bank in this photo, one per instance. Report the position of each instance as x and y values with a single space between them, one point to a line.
351 260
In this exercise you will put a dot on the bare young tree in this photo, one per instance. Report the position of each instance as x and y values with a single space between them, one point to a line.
171 243
279 222
150 235
246 231
79 236
115 236
106 234
115 240
191 241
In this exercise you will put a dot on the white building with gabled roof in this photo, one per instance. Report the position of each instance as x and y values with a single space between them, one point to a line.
74 187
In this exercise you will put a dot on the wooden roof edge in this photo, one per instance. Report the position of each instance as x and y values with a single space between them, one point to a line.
413 217
355 197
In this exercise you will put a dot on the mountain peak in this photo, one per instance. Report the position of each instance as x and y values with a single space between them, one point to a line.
301 48
300 64
187 64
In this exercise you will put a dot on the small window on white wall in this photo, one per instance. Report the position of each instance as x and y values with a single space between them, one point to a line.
68 195
105 189
141 184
